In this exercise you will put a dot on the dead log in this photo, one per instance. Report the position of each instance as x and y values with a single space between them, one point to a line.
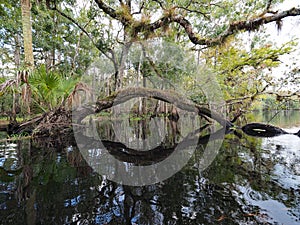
60 120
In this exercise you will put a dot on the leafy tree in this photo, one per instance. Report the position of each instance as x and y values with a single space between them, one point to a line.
56 43
68 40
245 74
210 27
10 33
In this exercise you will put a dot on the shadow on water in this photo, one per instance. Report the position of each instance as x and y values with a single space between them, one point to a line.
251 181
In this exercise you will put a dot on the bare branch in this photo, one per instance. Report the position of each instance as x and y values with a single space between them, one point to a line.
73 21
194 11
82 28
140 9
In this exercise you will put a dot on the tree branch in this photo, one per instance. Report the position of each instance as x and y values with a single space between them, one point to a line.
233 28
72 20
107 9
140 10
160 4
112 58
140 26
124 19
281 96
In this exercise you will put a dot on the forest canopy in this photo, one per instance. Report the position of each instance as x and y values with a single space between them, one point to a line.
56 42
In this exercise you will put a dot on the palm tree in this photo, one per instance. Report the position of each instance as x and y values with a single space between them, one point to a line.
49 88
27 40
27 33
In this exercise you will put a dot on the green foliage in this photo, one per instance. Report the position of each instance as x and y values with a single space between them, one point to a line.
50 89
57 42
62 47
270 102
242 74
10 29
44 86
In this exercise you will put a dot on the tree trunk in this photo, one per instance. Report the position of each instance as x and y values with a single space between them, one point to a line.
27 33
180 102
119 75
17 60
28 52
17 51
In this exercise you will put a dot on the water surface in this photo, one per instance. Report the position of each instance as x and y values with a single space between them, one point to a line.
251 181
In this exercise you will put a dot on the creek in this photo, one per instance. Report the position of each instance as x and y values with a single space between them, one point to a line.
250 181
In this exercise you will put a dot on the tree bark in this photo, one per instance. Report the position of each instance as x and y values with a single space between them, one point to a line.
28 51
27 33
17 51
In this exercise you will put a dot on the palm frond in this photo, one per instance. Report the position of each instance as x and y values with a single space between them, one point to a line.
7 84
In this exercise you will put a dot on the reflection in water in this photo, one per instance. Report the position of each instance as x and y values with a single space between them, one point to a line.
128 166
251 181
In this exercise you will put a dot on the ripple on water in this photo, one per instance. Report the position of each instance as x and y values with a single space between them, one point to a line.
284 150
275 210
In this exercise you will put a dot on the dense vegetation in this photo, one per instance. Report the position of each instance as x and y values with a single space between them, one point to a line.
48 46
56 54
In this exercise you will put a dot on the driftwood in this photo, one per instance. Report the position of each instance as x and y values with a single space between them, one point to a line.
47 124
54 123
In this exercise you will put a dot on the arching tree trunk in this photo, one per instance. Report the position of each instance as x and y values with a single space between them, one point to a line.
171 97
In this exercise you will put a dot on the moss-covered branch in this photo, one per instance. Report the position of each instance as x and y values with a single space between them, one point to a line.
125 17
166 96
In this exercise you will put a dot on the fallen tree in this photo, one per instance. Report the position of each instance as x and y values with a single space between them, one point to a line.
166 96
60 121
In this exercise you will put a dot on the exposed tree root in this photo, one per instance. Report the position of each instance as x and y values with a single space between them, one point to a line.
54 123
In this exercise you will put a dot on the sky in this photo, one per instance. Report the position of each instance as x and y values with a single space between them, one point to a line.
290 31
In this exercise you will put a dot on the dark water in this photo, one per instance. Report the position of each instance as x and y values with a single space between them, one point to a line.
251 181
